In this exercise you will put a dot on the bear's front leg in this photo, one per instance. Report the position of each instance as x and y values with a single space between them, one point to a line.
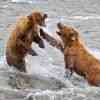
39 41
68 72
69 64
52 41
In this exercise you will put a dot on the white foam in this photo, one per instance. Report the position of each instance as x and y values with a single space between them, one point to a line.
23 1
28 1
85 17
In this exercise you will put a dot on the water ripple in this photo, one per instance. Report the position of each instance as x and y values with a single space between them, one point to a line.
84 17
28 1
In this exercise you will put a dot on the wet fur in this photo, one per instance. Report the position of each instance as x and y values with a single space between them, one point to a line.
76 56
21 38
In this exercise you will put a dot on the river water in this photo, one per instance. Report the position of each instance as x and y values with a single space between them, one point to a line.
45 78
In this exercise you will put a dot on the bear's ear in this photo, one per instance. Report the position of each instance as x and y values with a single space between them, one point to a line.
60 25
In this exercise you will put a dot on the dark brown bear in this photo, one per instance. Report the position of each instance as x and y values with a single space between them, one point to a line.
21 38
77 57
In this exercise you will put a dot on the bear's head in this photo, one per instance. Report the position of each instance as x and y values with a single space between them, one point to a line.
38 18
67 33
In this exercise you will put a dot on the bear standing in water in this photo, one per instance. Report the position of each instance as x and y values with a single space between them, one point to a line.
21 38
77 57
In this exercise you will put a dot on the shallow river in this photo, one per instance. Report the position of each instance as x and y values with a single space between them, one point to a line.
45 78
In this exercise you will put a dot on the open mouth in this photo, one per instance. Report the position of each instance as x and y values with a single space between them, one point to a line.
58 32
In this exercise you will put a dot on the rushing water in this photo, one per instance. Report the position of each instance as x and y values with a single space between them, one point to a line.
45 78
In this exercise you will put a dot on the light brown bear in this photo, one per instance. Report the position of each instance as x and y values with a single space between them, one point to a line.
21 38
51 40
77 58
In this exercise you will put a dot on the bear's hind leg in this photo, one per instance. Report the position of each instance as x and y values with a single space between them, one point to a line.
20 66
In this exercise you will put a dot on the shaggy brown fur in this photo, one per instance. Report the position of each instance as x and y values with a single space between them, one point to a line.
76 56
21 38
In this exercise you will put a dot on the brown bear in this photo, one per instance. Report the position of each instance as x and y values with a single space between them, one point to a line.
21 38
77 58
52 41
